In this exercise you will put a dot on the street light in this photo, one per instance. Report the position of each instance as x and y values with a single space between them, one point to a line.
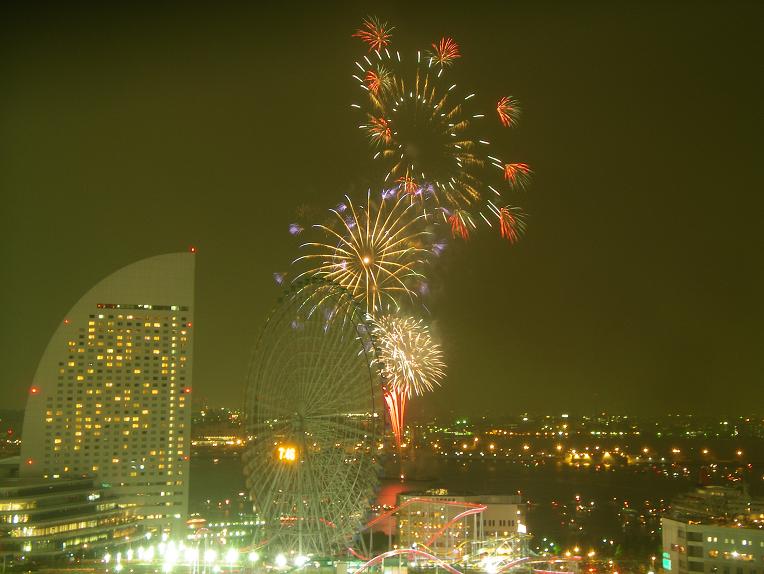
232 556
210 555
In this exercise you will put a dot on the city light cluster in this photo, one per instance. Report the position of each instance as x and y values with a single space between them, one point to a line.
170 554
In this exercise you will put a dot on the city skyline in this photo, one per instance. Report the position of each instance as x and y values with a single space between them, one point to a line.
382 288
636 288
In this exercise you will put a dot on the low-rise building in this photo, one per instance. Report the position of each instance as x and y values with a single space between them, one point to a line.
715 530
43 518
444 521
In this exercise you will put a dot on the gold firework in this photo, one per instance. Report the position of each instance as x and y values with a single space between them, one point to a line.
410 362
374 253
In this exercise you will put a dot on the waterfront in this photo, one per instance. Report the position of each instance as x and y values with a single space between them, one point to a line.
612 511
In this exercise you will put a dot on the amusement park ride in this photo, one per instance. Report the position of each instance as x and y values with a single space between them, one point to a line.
315 419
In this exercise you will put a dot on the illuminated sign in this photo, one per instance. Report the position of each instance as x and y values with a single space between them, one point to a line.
287 453
666 561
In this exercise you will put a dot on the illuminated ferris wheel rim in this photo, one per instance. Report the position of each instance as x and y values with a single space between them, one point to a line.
313 399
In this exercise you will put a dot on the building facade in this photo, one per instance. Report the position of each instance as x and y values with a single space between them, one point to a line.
711 548
444 521
111 396
42 518
715 530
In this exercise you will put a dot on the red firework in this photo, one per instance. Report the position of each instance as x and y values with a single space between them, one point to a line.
507 110
458 226
380 129
446 51
396 409
373 81
408 185
375 33
517 173
508 224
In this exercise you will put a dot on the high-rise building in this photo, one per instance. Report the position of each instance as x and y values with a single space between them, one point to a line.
111 395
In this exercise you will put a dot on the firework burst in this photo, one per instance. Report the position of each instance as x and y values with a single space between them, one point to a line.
425 134
460 223
395 402
411 363
511 222
374 80
379 129
446 51
408 185
508 111
518 174
375 33
373 251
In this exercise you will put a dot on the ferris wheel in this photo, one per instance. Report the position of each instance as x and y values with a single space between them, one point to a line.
314 420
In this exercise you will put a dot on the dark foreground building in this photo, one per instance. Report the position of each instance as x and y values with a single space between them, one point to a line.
43 519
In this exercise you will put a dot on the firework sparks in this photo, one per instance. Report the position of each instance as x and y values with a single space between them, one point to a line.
373 81
411 363
419 131
518 174
510 224
458 221
408 185
377 79
375 33
425 134
379 129
395 401
446 51
508 111
375 254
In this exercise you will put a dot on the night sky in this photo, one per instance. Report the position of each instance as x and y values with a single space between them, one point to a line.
639 285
